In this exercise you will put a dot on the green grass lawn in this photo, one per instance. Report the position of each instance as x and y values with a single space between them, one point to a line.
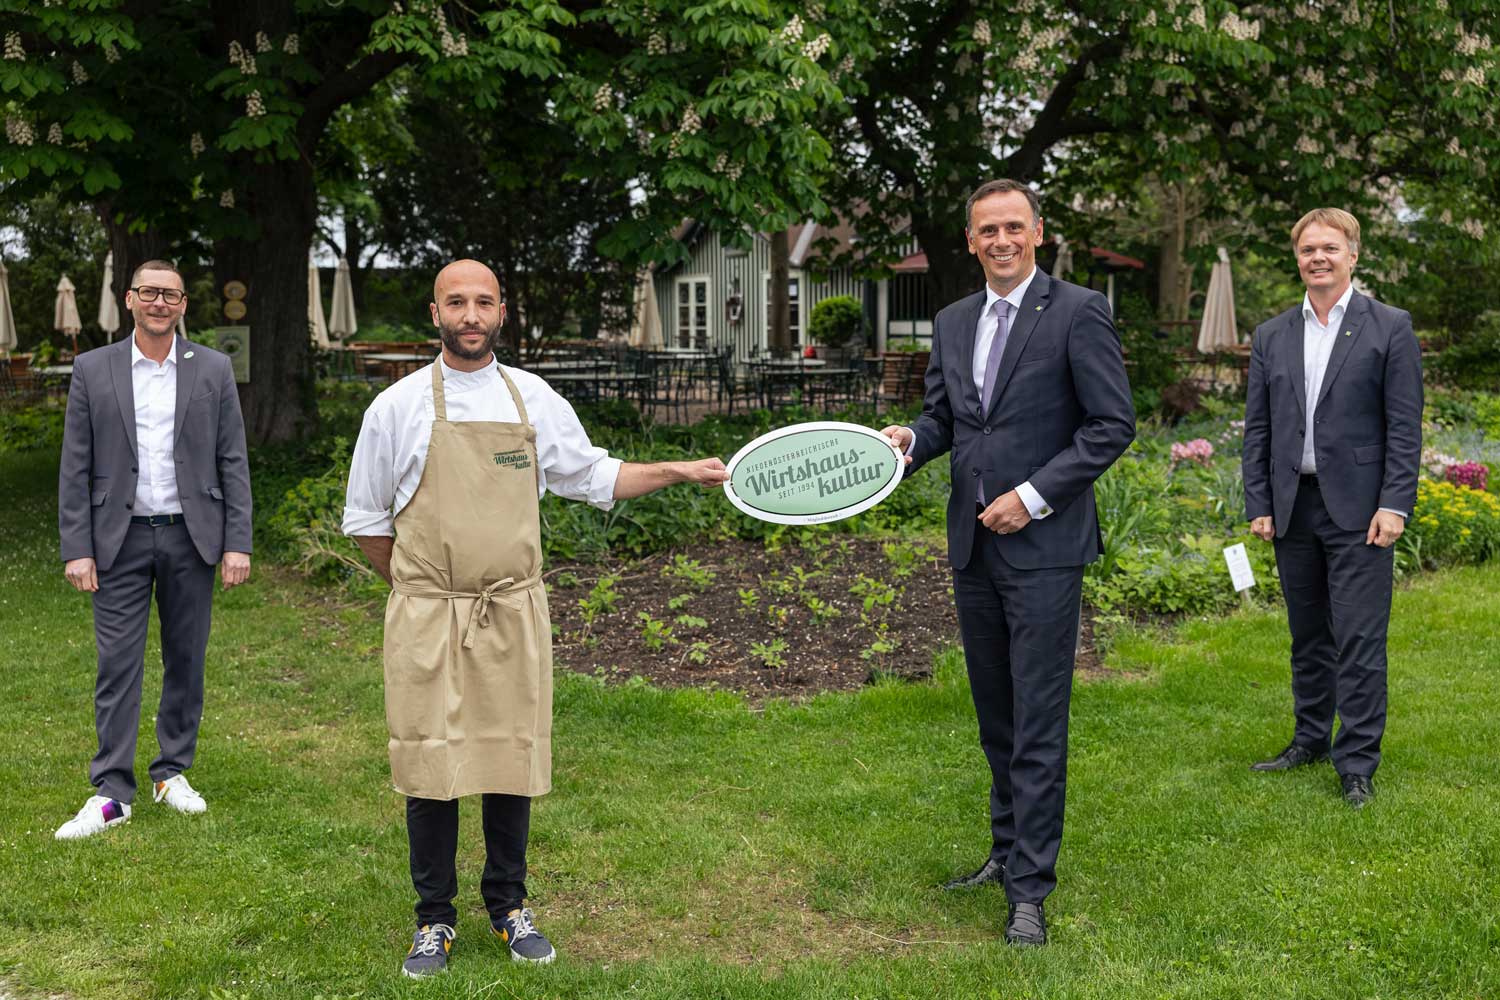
696 847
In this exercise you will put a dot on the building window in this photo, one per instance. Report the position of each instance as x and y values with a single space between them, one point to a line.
692 312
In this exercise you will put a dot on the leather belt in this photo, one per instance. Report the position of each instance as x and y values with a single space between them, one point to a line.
157 520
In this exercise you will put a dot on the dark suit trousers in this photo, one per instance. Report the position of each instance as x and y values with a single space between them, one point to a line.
432 833
166 561
1020 634
1338 600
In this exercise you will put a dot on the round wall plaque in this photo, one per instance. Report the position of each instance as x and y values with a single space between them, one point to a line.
234 309
235 290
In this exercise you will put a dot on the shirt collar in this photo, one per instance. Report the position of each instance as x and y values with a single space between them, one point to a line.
458 381
1335 314
1014 297
136 356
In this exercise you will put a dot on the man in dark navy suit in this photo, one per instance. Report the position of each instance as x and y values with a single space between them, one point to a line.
1026 391
1333 441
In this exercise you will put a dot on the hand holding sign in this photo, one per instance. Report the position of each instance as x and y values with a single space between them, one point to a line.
814 473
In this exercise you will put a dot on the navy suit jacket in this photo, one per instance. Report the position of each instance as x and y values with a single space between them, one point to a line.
99 469
1368 430
1060 415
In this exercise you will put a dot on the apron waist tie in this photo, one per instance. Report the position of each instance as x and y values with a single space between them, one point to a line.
507 591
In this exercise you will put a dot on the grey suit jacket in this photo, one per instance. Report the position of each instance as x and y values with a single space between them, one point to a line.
1368 429
97 480
1060 415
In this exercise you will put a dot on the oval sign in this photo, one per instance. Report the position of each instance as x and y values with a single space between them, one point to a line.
813 473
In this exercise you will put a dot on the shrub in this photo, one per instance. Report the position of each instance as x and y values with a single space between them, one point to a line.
31 428
1452 524
1474 361
836 321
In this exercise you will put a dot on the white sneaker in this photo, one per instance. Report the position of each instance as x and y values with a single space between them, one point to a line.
97 815
177 793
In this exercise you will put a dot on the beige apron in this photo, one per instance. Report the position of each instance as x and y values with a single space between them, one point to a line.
468 644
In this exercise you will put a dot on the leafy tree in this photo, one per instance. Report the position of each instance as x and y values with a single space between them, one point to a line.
178 118
1275 108
506 191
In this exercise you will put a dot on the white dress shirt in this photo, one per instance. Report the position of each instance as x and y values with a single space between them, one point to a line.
1317 347
392 448
984 336
154 387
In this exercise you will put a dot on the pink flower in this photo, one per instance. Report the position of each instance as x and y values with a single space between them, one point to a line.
1474 475
1198 450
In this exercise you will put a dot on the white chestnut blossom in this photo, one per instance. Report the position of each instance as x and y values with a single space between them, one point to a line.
13 47
79 74
18 131
814 49
1474 228
292 45
54 134
792 33
254 108
262 42
195 144
604 97
1308 146
111 54
656 44
226 200
982 35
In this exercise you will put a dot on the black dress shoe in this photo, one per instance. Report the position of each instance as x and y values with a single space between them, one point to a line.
990 871
1026 925
1358 789
1295 755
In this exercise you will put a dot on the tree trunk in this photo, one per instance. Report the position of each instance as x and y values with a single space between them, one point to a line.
131 250
279 401
779 309
952 271
1175 281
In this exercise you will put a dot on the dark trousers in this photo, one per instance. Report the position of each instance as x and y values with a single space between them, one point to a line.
165 561
432 829
1020 634
1338 603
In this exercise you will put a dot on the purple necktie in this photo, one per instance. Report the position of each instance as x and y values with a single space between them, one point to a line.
997 348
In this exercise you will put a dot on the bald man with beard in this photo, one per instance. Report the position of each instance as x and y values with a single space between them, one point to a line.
443 500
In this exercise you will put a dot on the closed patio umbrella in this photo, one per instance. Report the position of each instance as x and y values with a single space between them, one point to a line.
65 312
109 309
1218 331
317 322
7 318
342 324
645 323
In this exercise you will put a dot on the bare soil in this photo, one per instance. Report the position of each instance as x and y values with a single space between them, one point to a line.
787 622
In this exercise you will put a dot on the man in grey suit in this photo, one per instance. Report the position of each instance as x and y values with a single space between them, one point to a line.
1333 441
153 492
1026 390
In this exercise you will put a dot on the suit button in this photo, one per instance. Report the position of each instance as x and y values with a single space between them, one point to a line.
1301 433
134 469
975 473
130 506
986 430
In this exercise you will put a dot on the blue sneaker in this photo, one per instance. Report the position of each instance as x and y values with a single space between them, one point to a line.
429 951
527 944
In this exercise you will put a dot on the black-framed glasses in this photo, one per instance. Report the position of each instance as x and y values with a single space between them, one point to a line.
148 293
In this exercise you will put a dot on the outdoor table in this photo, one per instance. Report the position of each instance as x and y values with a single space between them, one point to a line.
591 385
395 364
581 365
789 363
65 370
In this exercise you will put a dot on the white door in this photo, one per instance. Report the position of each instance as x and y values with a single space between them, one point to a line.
692 312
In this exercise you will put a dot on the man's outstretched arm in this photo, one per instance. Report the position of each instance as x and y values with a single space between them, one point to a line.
637 479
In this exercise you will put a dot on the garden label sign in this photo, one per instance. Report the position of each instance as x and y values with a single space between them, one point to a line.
813 473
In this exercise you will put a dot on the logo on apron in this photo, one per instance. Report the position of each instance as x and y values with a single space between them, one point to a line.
514 459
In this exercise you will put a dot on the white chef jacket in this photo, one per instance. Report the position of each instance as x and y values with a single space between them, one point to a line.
392 448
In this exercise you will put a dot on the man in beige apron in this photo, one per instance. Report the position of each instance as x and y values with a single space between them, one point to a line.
442 499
